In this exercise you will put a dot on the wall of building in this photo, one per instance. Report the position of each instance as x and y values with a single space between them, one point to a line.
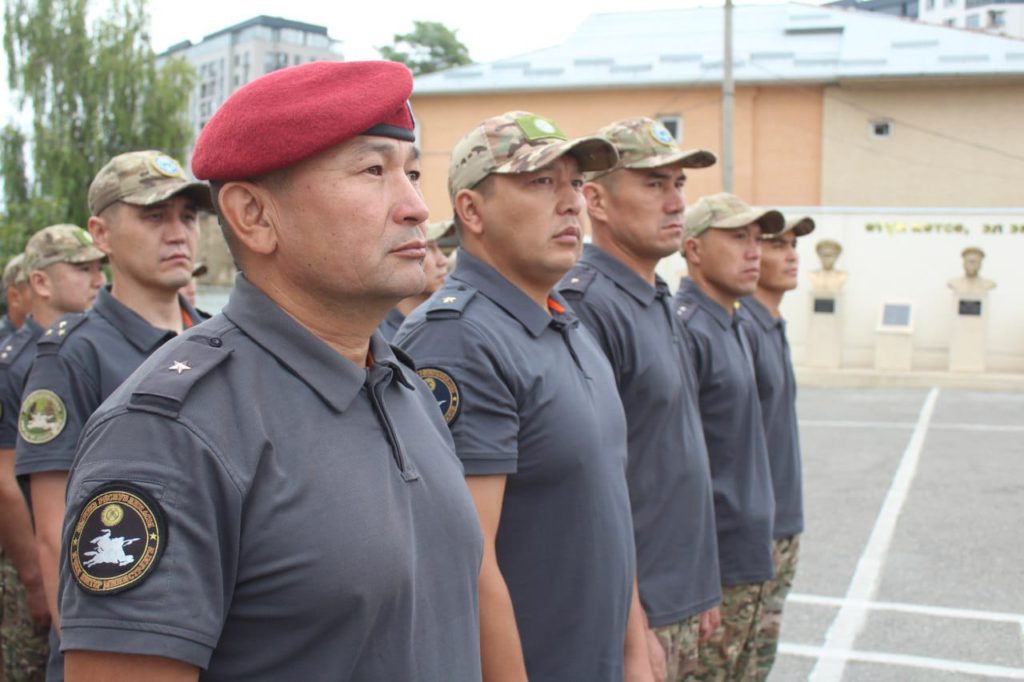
777 133
949 145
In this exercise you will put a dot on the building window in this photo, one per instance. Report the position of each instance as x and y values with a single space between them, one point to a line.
949 3
949 22
997 18
931 4
674 124
880 127
973 21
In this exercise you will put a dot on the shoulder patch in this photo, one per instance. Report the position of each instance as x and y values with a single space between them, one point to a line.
577 281
164 389
53 337
42 417
118 539
445 390
450 302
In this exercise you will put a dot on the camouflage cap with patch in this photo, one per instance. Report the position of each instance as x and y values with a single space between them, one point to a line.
441 229
798 226
727 211
143 178
60 244
520 142
645 143
14 271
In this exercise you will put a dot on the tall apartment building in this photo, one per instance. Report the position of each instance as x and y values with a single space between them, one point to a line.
1003 17
229 58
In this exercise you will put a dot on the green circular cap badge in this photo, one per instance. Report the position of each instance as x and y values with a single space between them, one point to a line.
167 166
661 134
119 536
42 418
445 390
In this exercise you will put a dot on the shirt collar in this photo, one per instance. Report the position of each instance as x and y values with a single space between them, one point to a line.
618 272
327 373
692 291
509 297
760 314
139 333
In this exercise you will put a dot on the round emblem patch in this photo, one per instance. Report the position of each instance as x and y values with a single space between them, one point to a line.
661 134
165 165
445 390
544 126
117 540
42 418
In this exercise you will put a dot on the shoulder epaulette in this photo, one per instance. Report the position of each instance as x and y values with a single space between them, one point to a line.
685 309
14 345
449 302
576 281
52 339
166 386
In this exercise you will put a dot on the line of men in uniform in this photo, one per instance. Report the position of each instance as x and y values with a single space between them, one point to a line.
555 471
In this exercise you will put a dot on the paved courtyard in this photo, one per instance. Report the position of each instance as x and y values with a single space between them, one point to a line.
912 565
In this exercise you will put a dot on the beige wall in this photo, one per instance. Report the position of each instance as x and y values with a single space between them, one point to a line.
914 168
778 133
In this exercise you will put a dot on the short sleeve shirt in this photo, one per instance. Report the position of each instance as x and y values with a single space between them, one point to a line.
731 414
668 472
537 402
80 360
16 356
317 522
776 386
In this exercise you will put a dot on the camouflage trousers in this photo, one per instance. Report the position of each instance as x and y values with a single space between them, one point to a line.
727 655
679 641
785 553
24 644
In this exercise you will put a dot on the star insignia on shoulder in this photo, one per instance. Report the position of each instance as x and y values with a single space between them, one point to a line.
448 299
575 280
179 367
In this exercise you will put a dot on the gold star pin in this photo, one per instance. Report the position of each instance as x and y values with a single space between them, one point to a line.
682 308
575 280
60 333
3 356
9 348
49 332
179 367
448 299
63 323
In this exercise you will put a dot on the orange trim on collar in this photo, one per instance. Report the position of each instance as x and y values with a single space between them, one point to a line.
555 306
186 319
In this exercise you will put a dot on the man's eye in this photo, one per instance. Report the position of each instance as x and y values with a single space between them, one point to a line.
375 170
414 176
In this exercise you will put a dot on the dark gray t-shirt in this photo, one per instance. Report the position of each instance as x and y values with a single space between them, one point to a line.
668 473
16 358
776 386
530 395
731 413
317 522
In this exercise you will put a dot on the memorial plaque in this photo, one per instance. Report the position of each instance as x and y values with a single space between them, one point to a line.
896 315
826 306
969 307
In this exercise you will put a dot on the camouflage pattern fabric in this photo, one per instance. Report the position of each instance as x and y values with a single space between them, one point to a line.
60 244
143 178
520 142
786 551
25 645
680 642
727 655
645 143
726 211
14 271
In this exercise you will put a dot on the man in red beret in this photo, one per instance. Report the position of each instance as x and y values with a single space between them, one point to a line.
274 495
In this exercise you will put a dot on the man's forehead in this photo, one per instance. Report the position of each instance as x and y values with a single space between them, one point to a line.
374 144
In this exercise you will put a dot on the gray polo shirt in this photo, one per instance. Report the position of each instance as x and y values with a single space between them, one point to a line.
80 360
776 386
531 395
316 523
390 324
731 413
668 473
16 356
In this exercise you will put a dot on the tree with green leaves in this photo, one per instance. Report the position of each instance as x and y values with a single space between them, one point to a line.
88 91
431 46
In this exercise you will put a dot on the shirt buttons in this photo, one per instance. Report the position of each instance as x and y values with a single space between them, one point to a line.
215 342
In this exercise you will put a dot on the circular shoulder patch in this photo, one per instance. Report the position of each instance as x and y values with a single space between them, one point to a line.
118 538
661 134
445 390
42 418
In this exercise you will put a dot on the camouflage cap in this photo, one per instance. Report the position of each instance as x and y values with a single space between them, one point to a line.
60 244
14 271
520 142
646 143
798 226
729 212
143 178
437 230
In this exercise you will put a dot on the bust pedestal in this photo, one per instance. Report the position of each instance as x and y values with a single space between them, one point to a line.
967 342
825 329
894 337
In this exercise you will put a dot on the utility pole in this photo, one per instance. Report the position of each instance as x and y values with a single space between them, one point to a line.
728 94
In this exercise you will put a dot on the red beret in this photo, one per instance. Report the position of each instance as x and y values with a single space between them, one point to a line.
289 115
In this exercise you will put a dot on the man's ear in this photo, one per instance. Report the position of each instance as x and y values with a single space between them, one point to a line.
692 250
251 214
467 205
39 283
99 228
596 195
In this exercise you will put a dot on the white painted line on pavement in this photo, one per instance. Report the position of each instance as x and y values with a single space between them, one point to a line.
842 634
1009 428
914 609
940 664
843 424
